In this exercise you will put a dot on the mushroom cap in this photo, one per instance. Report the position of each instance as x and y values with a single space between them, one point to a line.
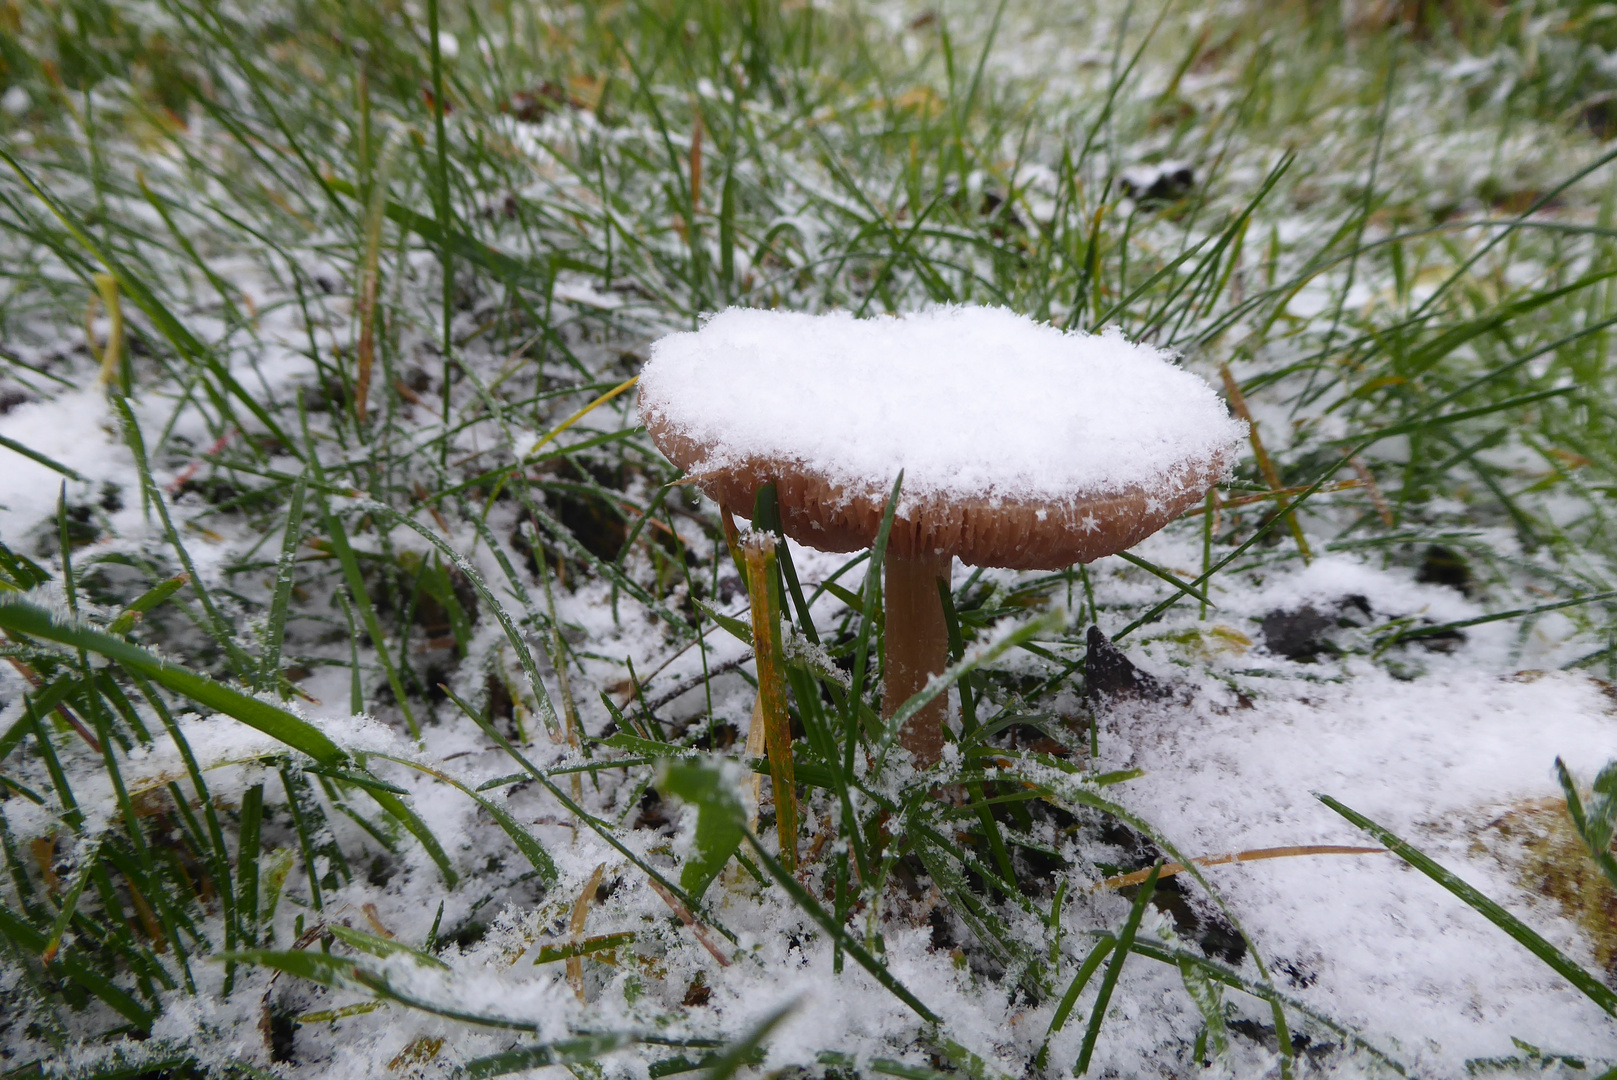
1022 446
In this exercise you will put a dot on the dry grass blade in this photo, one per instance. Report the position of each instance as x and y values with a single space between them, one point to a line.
759 551
1266 465
732 539
1260 496
483 221
580 414
697 927
1123 881
1377 499
757 747
112 356
575 929
365 350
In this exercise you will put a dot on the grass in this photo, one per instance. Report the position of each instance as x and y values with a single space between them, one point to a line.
455 238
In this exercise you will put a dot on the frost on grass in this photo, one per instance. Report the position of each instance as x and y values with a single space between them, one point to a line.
966 401
601 565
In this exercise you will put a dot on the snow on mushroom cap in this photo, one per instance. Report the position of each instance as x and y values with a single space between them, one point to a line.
970 402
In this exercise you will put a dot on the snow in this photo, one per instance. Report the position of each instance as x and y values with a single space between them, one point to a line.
1435 753
1377 945
973 402
75 430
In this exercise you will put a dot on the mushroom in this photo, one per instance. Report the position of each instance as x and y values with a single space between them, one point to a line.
1021 446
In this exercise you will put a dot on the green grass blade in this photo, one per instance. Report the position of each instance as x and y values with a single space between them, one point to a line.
70 903
1069 1000
18 930
248 852
519 646
153 495
1597 991
530 847
1114 968
362 600
146 601
21 617
275 629
1172 579
561 1052
1498 616
401 812
811 906
1021 635
34 455
744 1050
870 596
1174 956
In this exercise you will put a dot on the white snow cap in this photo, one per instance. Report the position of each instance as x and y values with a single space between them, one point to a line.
968 401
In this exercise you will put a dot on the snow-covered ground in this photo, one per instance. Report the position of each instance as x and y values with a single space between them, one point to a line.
1450 741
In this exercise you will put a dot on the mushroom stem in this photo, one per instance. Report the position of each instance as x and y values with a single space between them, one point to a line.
917 647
